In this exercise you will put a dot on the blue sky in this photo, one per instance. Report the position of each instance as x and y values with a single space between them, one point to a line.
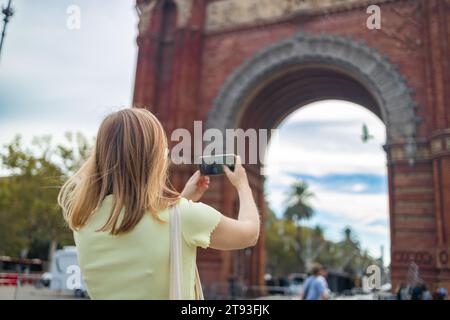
54 80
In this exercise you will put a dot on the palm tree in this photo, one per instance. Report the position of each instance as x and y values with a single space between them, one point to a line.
348 234
316 245
350 250
318 232
299 208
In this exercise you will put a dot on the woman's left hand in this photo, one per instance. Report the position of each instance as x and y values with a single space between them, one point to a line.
195 186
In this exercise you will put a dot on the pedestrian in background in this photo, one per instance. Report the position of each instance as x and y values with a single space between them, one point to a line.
439 293
403 292
417 291
426 294
316 286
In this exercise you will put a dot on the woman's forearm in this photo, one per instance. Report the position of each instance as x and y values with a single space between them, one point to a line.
248 211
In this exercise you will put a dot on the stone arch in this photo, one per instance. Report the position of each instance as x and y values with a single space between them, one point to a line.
365 65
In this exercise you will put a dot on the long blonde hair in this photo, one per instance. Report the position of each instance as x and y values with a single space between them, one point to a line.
130 162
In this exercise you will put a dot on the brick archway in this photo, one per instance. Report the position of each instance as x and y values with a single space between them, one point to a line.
287 75
382 88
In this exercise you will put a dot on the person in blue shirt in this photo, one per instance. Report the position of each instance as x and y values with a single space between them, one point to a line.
315 286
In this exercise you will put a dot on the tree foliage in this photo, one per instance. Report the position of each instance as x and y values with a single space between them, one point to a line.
29 212
298 209
292 248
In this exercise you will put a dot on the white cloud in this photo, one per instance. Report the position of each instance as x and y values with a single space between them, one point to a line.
325 138
335 111
362 208
358 187
289 157
54 79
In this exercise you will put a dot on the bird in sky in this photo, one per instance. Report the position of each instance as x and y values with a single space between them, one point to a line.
366 136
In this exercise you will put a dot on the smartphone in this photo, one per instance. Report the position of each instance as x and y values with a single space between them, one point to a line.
213 165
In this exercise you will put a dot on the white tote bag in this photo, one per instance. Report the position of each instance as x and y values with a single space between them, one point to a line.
176 270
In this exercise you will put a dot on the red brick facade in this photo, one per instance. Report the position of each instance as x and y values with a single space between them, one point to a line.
186 72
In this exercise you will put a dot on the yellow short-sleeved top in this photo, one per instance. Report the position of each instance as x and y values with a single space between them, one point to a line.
135 265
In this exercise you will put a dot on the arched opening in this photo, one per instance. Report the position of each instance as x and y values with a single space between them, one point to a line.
270 101
297 86
334 149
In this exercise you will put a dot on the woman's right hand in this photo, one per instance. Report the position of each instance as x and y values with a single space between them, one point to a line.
242 233
238 177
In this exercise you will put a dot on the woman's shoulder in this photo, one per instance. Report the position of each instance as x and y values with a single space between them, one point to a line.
183 202
186 205
198 220
190 208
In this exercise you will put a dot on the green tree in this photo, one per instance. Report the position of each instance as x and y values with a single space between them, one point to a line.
28 195
280 246
299 208
349 251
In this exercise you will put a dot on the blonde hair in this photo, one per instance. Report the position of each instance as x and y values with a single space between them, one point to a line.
129 161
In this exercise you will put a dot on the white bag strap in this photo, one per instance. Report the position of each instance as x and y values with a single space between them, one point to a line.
175 254
176 257
198 286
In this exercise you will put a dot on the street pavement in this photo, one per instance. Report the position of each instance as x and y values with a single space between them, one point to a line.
32 293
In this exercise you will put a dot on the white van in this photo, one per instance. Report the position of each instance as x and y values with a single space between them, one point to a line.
65 275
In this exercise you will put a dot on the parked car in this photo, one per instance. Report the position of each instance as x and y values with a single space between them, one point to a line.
296 281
